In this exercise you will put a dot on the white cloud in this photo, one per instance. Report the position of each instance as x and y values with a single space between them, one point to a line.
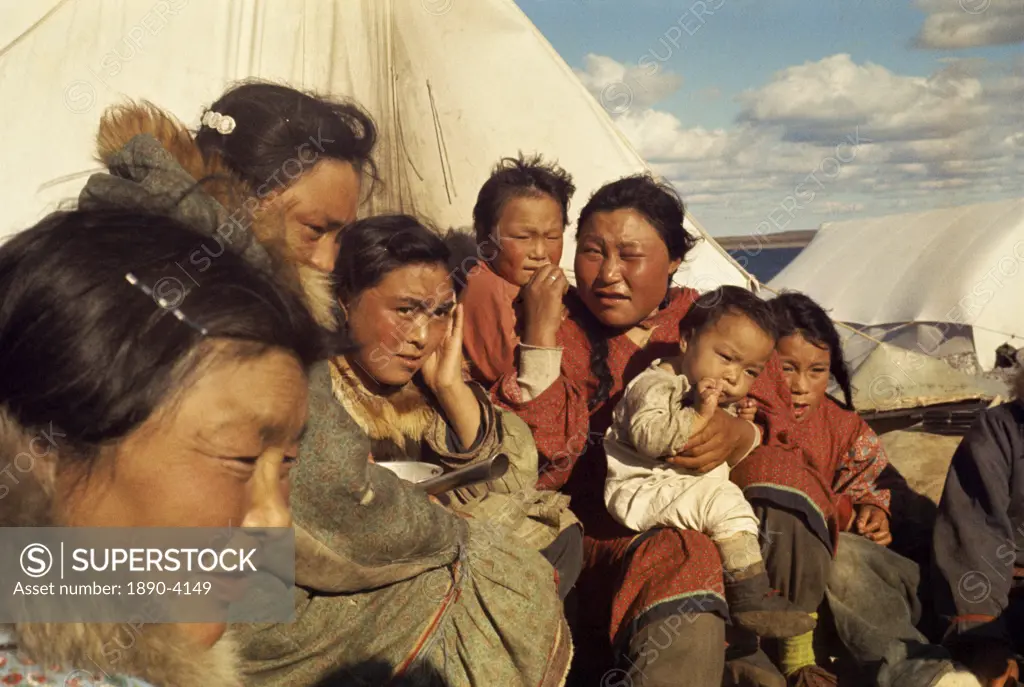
1016 139
660 135
970 23
820 101
943 184
619 87
837 208
838 137
708 198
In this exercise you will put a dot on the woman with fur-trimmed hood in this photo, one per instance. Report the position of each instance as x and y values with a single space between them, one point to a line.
390 585
117 411
404 381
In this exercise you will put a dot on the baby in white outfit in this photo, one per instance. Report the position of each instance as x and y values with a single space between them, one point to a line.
726 340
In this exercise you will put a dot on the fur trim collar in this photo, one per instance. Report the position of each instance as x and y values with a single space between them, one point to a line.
120 125
154 653
158 654
402 417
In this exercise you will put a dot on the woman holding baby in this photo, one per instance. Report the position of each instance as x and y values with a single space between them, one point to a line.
657 599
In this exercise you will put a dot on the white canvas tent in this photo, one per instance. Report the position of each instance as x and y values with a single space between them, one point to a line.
454 85
941 271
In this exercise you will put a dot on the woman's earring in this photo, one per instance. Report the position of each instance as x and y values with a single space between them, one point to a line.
343 337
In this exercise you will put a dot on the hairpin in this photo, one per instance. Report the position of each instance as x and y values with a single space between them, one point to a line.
224 124
164 303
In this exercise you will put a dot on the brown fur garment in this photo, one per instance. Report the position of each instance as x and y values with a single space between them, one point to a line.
401 418
122 123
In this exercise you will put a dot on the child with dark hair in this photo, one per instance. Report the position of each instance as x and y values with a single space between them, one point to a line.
519 218
725 342
812 356
807 497
402 380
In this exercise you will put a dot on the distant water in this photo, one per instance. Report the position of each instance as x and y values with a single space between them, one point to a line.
767 263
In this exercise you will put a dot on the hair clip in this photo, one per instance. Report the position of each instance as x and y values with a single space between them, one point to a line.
224 124
164 303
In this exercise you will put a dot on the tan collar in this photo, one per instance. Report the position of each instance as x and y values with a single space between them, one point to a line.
402 416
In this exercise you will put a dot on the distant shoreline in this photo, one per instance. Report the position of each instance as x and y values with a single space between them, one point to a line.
755 242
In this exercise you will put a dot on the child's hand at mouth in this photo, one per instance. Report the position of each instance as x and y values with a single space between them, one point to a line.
747 409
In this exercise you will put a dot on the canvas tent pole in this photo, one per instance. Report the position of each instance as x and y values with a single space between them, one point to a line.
996 331
42 20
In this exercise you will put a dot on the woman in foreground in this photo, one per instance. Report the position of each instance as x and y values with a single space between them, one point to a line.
156 420
389 585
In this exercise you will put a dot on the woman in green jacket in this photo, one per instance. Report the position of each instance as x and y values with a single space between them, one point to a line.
389 584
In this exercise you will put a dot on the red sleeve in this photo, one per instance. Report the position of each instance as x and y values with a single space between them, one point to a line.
559 418
775 405
489 337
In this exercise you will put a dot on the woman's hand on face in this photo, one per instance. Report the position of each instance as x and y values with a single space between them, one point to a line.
442 370
542 306
873 523
715 444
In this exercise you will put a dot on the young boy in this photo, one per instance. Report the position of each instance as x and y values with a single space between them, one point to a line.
519 218
726 339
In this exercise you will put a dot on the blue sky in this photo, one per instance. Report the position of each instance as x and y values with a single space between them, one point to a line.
746 97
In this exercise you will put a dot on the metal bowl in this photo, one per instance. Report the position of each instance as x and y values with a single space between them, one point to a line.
412 470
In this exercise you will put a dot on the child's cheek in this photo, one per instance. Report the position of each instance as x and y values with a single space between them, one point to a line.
509 262
515 257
